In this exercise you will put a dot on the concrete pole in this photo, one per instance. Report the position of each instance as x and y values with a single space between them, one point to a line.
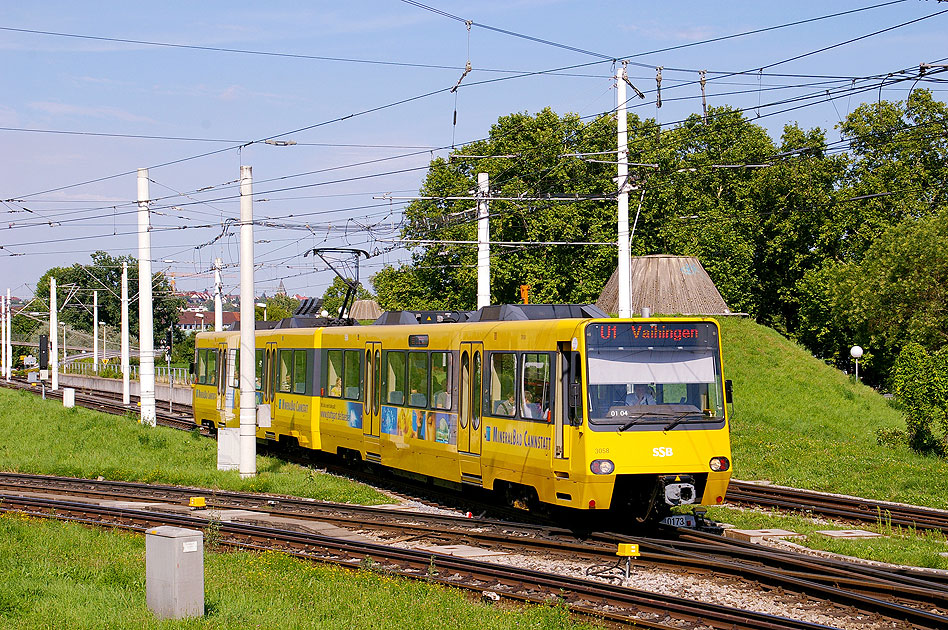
95 332
9 354
218 299
53 334
146 334
248 402
3 336
125 364
483 242
64 346
625 261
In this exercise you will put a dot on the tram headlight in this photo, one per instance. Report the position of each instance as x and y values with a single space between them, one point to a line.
602 466
719 464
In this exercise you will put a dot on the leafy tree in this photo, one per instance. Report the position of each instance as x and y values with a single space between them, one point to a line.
336 292
74 286
921 385
898 168
278 307
895 295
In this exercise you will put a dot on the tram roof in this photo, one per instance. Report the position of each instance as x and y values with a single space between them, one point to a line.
493 313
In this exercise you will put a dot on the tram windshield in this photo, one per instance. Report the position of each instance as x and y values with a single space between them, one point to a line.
654 376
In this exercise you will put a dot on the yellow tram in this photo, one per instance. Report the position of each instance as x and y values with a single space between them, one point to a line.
556 405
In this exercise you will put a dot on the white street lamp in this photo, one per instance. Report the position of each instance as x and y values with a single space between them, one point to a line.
856 352
263 305
200 316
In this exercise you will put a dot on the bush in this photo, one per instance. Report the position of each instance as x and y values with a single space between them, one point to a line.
920 381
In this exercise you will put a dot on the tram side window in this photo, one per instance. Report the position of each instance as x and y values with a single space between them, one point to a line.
286 370
394 377
334 373
299 371
535 386
353 375
201 371
441 380
211 367
258 368
418 379
503 375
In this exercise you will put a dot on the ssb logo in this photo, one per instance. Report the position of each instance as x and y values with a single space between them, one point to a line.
662 451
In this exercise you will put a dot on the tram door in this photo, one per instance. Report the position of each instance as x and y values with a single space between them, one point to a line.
561 404
469 416
373 389
268 386
221 375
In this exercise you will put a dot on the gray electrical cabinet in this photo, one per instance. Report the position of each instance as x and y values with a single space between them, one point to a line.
174 572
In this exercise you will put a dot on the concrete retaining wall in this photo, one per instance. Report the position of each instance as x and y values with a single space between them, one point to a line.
182 394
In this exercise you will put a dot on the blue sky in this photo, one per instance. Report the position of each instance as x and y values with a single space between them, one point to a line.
213 101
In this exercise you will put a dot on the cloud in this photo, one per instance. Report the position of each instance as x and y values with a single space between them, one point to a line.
8 116
660 32
101 111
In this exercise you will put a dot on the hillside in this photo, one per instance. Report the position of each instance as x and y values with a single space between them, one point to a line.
798 422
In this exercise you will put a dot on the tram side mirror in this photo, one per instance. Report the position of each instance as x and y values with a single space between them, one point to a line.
728 391
192 368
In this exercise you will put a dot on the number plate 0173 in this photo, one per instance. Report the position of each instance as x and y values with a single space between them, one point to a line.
680 520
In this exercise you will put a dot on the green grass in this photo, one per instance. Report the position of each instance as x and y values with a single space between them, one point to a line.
798 422
42 437
59 575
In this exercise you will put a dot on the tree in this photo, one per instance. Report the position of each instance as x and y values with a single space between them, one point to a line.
895 295
920 381
278 307
336 292
689 207
74 286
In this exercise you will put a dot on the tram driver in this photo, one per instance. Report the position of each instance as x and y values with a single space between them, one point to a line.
641 395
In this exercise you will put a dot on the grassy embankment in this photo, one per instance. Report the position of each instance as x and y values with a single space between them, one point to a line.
797 422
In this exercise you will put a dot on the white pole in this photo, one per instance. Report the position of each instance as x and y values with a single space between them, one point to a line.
625 262
3 336
248 402
64 346
54 336
125 368
9 355
95 331
218 300
483 242
146 335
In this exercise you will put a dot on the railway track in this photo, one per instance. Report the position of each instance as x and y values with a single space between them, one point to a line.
904 595
837 506
597 599
841 507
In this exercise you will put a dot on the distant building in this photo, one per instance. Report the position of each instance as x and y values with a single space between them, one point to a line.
667 285
192 321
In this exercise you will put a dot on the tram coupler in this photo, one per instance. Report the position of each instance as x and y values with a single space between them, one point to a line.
678 489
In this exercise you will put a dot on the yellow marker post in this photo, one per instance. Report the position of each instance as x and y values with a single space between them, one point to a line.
197 502
627 551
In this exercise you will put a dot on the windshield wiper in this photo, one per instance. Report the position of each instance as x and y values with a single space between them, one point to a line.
632 422
679 419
